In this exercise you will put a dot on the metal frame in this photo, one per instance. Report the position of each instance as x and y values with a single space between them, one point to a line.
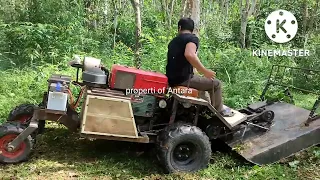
174 110
198 102
271 82
58 116
114 99
312 116
33 126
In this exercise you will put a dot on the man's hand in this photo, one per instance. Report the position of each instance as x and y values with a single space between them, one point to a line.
195 71
209 74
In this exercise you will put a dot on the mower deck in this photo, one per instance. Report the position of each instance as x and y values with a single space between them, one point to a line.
286 136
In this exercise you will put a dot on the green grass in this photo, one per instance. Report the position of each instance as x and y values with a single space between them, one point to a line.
60 154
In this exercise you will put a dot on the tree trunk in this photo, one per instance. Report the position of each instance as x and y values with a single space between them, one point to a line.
246 12
305 17
195 15
115 22
136 7
227 11
191 9
313 14
183 9
163 9
171 13
90 11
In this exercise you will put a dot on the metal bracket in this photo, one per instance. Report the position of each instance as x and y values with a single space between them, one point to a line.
196 118
288 93
174 111
276 79
33 126
313 111
252 124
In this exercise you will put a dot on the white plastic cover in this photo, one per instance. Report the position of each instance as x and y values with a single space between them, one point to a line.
90 63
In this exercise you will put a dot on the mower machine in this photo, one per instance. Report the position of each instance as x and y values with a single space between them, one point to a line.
129 104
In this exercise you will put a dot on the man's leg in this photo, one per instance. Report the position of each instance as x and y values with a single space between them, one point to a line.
213 86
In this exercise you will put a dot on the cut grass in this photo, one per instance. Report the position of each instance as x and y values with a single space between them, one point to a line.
60 154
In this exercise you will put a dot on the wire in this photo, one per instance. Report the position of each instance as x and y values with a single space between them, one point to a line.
79 97
72 103
71 96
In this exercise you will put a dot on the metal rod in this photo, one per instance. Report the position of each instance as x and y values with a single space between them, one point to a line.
197 115
257 125
33 126
313 111
299 68
77 74
283 73
293 87
275 76
174 111
244 131
267 85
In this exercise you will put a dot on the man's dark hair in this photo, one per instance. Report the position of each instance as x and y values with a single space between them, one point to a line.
186 24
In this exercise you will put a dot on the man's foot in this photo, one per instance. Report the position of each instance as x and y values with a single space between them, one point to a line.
227 112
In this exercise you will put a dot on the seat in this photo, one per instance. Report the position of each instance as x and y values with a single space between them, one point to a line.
185 91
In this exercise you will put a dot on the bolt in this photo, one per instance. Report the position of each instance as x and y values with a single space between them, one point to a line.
10 148
180 148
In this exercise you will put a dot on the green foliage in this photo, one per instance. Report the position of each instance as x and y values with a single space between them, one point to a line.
46 34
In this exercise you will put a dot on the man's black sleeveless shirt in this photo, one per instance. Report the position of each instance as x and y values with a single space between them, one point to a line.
178 69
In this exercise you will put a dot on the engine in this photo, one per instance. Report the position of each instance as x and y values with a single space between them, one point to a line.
143 105
137 81
142 86
93 74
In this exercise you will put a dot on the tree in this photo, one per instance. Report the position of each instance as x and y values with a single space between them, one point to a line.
91 10
136 7
246 11
191 9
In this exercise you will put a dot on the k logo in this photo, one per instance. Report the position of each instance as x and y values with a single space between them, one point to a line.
281 26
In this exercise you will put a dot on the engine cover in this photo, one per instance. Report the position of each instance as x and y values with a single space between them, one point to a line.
124 78
94 77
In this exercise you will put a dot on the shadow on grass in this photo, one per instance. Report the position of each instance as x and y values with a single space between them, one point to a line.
97 157
59 152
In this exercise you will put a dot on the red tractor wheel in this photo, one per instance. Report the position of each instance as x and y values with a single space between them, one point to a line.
8 132
23 114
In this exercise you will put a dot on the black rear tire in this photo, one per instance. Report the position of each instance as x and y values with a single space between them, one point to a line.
8 132
23 114
183 148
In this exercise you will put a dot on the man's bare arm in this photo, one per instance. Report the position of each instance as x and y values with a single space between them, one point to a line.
191 56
